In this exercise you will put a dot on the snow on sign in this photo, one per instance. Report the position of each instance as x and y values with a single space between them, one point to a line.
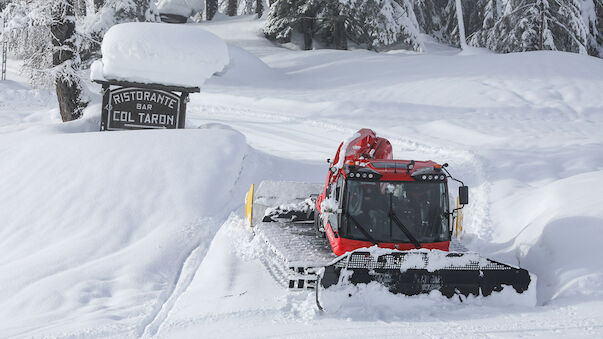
143 106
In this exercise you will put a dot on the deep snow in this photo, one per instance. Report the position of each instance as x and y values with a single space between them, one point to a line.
129 234
165 54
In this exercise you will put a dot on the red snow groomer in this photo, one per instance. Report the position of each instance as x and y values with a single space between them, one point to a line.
388 221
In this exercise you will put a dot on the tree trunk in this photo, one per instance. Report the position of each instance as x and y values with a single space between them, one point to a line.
67 84
211 7
259 8
461 24
340 39
98 4
542 27
231 9
307 30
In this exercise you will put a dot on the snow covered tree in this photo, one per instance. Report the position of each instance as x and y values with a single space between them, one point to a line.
381 23
259 7
373 24
527 25
437 18
57 43
593 13
3 4
211 8
242 7
231 8
283 19
65 60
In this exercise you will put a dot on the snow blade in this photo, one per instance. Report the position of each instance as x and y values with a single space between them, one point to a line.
283 201
422 271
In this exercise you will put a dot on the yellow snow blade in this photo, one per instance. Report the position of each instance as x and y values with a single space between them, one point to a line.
249 206
458 227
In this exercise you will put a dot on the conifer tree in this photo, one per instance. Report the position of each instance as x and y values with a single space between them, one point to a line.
211 8
528 25
57 43
231 8
373 24
437 18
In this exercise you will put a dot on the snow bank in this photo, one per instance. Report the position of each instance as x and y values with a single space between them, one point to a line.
560 240
96 226
102 231
167 54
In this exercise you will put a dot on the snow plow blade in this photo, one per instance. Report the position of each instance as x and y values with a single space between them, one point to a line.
281 201
423 271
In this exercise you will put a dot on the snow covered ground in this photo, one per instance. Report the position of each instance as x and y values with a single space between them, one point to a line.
139 233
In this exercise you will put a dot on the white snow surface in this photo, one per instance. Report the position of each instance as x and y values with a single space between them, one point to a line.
140 233
180 7
160 53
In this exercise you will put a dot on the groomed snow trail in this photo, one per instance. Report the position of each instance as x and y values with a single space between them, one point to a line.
183 279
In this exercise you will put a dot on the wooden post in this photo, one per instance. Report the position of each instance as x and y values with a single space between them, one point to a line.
340 39
105 107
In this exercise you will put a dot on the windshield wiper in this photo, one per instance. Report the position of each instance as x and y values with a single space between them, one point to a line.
362 229
404 230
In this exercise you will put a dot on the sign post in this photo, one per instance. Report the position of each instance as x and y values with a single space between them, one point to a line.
129 105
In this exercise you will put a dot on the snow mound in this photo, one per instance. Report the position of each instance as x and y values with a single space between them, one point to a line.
560 239
177 55
94 228
180 7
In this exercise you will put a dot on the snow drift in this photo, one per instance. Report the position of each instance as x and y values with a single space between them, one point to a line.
98 226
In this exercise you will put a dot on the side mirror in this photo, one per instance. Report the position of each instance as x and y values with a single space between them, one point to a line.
463 195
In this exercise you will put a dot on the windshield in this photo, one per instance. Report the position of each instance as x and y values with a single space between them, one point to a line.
420 207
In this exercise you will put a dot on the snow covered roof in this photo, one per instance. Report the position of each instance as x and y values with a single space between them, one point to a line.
176 55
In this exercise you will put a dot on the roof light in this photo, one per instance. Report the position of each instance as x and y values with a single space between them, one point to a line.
430 177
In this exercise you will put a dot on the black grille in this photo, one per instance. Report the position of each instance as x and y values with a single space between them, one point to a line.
419 260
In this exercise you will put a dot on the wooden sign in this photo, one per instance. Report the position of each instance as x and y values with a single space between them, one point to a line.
143 106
